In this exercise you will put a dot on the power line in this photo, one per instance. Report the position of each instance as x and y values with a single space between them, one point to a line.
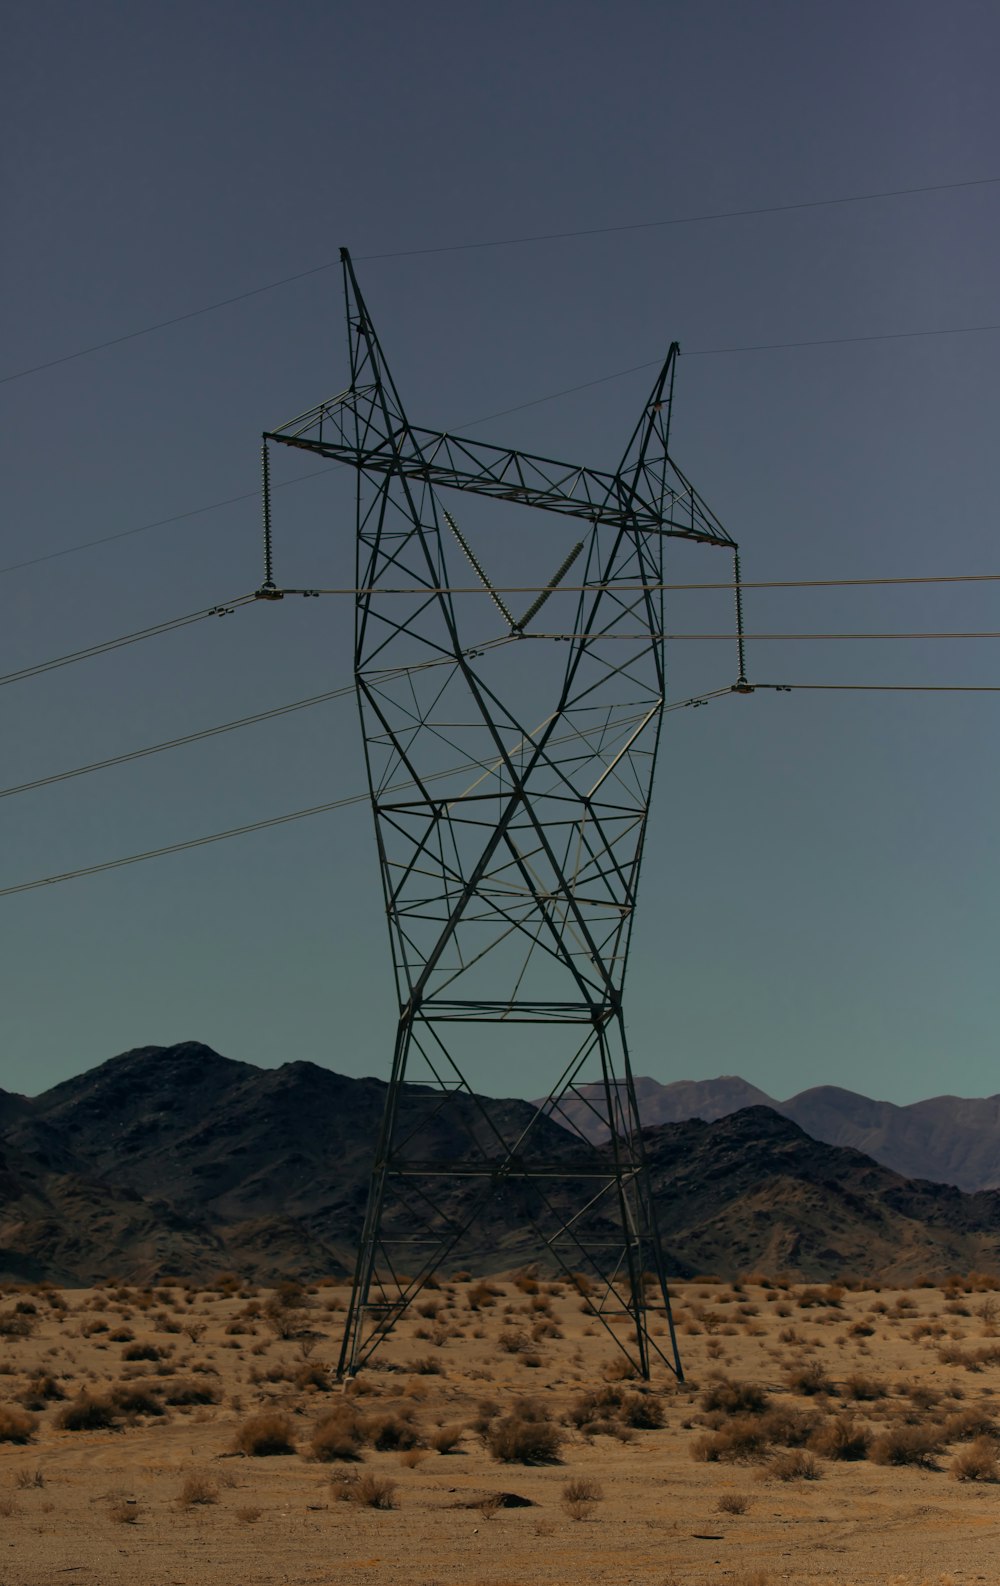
504 242
843 341
129 638
223 727
731 638
639 588
304 814
158 523
176 743
885 688
470 765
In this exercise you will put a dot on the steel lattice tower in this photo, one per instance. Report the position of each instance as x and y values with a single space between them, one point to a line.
510 780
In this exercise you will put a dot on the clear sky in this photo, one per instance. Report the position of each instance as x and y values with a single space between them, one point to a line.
820 899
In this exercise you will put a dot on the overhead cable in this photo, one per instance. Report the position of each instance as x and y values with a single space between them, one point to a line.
222 727
223 610
640 588
499 242
158 523
176 743
884 688
298 815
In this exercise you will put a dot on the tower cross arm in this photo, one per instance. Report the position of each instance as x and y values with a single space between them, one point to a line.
659 499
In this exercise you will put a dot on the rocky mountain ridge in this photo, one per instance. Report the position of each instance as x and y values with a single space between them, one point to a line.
951 1139
178 1161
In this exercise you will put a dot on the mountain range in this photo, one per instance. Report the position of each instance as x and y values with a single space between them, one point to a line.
952 1139
176 1161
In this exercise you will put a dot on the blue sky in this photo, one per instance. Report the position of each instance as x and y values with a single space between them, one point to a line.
820 900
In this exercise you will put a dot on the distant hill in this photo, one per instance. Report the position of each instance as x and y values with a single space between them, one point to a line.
175 1161
950 1139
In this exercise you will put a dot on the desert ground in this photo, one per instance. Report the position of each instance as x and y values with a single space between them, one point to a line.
822 1435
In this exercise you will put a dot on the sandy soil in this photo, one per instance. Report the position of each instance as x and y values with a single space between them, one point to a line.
116 1507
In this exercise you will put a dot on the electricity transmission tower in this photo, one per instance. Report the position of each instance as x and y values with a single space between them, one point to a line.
510 767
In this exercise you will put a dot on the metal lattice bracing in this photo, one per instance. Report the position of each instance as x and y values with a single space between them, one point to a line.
510 765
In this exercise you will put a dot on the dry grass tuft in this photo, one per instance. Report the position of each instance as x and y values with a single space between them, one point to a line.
374 1492
526 1437
792 1465
125 1512
842 1437
580 1496
338 1435
446 1438
270 1432
907 1445
735 1398
392 1429
743 1438
89 1412
978 1462
733 1503
810 1379
198 1489
16 1425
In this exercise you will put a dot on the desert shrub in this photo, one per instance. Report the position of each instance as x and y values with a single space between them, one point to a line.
338 1435
16 1425
526 1437
424 1366
375 1492
133 1398
831 1296
978 1462
792 1465
186 1390
620 1369
481 1295
907 1445
13 1325
248 1514
790 1427
921 1395
969 1423
641 1410
198 1489
269 1432
579 1497
313 1377
486 1411
446 1437
733 1503
141 1351
282 1319
809 1379
121 1335
89 1413
583 1487
512 1340
547 1328
606 1410
743 1438
125 1512
390 1429
842 1437
861 1329
39 1390
862 1388
735 1398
